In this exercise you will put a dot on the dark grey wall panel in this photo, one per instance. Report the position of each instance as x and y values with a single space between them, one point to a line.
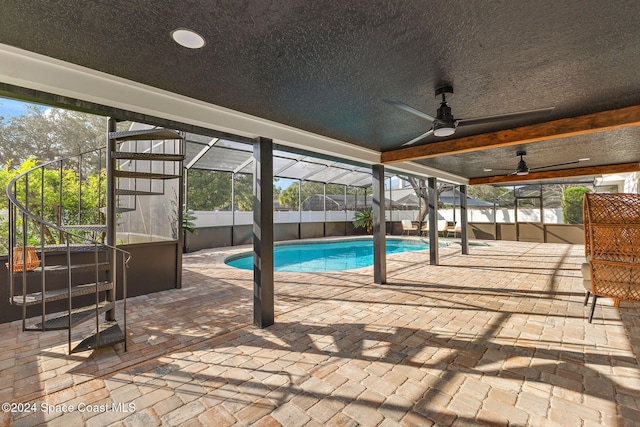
353 231
507 232
482 231
561 233
208 237
285 231
10 313
530 232
394 228
152 268
334 229
311 230
242 235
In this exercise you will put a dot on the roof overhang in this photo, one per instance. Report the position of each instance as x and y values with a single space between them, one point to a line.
34 71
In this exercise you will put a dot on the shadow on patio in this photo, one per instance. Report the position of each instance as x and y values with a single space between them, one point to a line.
479 339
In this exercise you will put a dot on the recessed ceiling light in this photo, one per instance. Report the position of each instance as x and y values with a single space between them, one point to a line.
488 169
187 38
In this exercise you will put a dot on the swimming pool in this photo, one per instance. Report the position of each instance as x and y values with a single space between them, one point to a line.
327 256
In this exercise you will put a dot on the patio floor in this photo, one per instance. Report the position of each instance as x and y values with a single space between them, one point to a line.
495 337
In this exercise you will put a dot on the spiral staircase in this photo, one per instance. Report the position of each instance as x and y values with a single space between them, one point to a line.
65 264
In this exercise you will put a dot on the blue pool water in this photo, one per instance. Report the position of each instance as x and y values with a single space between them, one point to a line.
327 256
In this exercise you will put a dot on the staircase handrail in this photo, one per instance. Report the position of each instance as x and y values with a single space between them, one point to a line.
14 201
15 208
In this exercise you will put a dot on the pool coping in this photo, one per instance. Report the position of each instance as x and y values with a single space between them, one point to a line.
233 255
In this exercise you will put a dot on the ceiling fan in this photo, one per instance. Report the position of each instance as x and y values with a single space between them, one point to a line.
444 124
522 168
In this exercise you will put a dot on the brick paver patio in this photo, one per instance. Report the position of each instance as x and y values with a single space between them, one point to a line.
496 337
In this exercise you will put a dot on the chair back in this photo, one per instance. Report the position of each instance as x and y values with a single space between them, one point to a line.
612 243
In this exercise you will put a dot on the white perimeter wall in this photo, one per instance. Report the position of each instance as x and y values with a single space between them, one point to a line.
221 218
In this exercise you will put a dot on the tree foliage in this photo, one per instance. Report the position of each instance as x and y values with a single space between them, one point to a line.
50 133
211 190
73 192
208 190
488 193
572 209
58 195
289 196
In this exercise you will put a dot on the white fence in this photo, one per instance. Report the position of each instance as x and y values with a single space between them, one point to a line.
221 218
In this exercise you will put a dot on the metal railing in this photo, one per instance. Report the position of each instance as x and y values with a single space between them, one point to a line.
32 205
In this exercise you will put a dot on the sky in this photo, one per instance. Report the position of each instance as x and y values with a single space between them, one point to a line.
10 108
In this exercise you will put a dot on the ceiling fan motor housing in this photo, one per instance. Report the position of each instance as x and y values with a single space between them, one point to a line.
445 124
444 89
522 168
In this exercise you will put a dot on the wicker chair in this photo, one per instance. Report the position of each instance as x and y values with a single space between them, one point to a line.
612 247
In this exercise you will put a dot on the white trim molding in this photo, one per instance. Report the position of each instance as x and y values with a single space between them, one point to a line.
38 72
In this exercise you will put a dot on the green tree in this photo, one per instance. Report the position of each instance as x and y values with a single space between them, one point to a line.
572 204
243 191
66 199
208 190
484 192
289 196
211 190
50 133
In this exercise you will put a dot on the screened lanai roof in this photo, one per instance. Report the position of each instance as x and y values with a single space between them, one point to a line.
206 153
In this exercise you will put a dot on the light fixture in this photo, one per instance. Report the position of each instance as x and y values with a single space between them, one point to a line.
444 125
187 38
522 168
584 159
444 129
487 169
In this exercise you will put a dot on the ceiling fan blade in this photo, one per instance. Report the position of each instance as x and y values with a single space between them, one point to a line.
414 140
504 117
409 109
557 164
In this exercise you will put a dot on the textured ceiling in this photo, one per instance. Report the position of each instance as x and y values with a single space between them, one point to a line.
326 66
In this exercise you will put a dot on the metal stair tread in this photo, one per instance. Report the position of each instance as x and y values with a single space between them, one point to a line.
119 209
110 334
75 248
144 135
125 155
60 269
86 227
145 175
59 294
78 315
127 192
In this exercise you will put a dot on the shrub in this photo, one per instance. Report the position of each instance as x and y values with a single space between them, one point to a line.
364 219
572 204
